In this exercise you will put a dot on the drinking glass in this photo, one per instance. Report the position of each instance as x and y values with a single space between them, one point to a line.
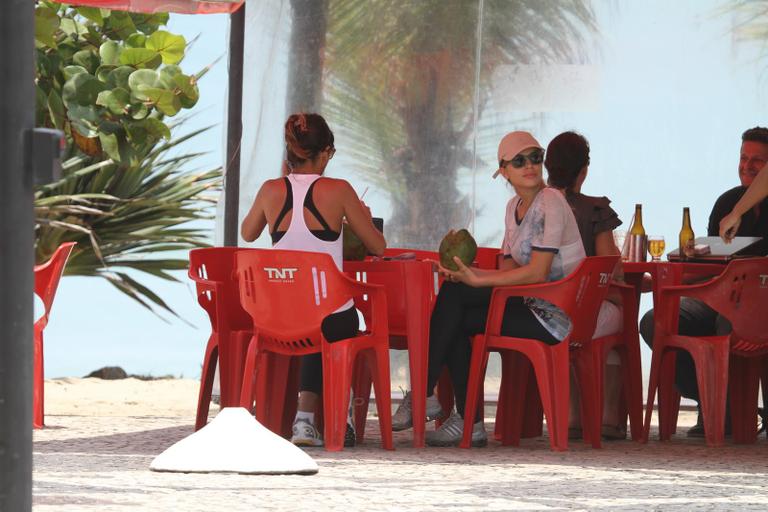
656 247
619 238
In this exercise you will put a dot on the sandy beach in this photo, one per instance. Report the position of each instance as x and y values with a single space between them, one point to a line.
101 436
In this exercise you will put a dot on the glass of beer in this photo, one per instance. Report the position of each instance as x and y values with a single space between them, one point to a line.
656 247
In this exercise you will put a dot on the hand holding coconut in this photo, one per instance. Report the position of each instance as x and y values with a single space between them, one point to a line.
457 252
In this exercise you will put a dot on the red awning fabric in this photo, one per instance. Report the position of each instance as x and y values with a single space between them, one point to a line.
150 6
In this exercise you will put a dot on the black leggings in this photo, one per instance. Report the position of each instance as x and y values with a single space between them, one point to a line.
336 327
460 312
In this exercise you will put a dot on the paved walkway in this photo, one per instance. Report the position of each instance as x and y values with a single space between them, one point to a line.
91 463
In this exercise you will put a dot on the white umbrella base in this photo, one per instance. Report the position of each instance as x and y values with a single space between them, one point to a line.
234 442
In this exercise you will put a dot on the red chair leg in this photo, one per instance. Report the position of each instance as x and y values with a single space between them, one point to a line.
273 398
361 387
632 386
517 396
500 403
743 387
417 364
291 398
533 420
476 375
337 378
653 385
712 377
206 382
669 397
379 366
249 368
38 389
552 375
589 373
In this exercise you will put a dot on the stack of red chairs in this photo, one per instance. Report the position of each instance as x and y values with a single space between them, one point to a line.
309 286
47 277
724 364
579 295
212 270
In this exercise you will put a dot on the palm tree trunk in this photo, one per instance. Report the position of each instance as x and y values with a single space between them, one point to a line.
305 72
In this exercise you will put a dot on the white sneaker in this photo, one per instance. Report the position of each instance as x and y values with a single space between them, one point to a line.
450 433
403 417
305 434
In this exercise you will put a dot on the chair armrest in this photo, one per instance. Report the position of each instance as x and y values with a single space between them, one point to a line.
378 301
552 292
665 316
678 290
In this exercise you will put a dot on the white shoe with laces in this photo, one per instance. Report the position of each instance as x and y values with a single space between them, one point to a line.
306 434
450 433
403 417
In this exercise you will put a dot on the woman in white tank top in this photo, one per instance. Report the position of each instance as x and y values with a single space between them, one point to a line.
306 211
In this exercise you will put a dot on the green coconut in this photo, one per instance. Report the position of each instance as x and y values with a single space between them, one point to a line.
457 243
354 249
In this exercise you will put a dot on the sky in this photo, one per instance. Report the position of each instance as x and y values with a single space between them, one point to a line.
670 93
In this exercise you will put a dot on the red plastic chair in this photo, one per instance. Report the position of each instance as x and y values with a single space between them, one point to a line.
47 277
579 295
410 290
304 288
212 270
740 294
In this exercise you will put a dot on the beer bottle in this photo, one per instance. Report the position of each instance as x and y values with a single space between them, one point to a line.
637 240
637 224
687 239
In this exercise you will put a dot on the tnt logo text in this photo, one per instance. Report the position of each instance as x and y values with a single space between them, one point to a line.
763 280
604 278
280 274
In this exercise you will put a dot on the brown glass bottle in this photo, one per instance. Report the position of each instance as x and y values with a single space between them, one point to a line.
687 238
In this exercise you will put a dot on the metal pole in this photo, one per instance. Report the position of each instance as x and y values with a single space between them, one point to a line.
234 127
16 255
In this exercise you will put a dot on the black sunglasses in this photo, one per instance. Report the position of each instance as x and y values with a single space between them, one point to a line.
536 157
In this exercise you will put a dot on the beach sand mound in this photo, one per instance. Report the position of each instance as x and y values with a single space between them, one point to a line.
125 397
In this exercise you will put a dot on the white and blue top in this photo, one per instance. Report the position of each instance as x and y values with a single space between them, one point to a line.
548 225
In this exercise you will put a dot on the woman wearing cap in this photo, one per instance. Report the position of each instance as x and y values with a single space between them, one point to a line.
323 205
541 243
567 164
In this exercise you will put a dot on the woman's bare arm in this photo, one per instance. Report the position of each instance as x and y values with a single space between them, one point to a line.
536 271
756 192
359 220
256 220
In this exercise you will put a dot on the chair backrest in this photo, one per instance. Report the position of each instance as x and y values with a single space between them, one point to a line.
578 294
302 289
397 279
213 270
590 283
487 258
740 294
47 276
